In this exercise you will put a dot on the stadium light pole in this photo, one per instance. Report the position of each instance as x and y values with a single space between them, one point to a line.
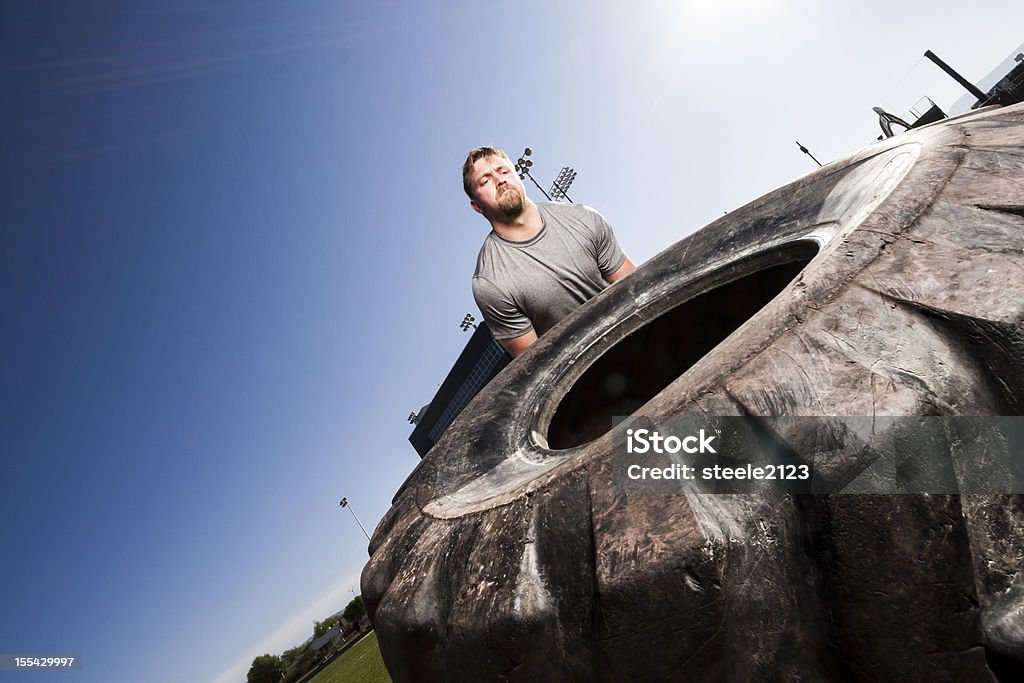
523 169
807 152
468 322
560 187
344 503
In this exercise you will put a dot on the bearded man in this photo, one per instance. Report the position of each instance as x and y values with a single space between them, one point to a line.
540 262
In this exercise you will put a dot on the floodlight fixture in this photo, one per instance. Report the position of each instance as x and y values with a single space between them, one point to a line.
805 151
345 504
560 187
523 169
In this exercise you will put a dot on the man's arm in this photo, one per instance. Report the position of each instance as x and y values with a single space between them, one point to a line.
625 269
503 317
516 345
606 248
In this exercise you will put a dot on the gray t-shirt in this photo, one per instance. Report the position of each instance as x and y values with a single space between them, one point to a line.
536 283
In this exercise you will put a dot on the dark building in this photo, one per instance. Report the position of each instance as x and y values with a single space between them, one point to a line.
1010 89
479 362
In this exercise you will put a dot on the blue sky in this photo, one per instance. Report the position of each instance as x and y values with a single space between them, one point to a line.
235 253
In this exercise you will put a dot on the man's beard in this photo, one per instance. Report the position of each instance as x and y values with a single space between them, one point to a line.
510 202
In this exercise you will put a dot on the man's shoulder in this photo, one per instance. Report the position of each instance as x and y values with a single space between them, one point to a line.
568 212
565 209
485 258
489 282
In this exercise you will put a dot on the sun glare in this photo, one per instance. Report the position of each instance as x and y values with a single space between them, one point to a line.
724 25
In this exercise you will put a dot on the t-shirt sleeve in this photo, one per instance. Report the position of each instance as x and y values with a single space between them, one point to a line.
503 317
610 256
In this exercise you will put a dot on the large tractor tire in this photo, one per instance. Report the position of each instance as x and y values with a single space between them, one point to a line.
890 283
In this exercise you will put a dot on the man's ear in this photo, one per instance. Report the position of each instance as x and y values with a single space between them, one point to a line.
476 207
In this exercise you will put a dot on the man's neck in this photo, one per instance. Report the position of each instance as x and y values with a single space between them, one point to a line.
523 227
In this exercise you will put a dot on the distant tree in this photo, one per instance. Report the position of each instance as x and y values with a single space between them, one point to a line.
355 610
298 660
266 669
319 628
290 656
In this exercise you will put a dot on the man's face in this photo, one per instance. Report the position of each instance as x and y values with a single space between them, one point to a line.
498 191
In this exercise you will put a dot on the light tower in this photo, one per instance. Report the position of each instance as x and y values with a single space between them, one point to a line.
562 183
344 504
523 169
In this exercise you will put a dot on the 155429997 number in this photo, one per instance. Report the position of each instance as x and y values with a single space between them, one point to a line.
19 661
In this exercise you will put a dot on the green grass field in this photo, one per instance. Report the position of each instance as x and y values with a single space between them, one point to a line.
361 664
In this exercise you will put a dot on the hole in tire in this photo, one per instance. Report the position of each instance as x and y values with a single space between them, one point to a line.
638 367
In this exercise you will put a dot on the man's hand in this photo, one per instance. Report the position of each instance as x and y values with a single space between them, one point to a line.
625 269
516 345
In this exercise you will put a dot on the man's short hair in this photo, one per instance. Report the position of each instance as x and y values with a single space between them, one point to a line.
474 156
